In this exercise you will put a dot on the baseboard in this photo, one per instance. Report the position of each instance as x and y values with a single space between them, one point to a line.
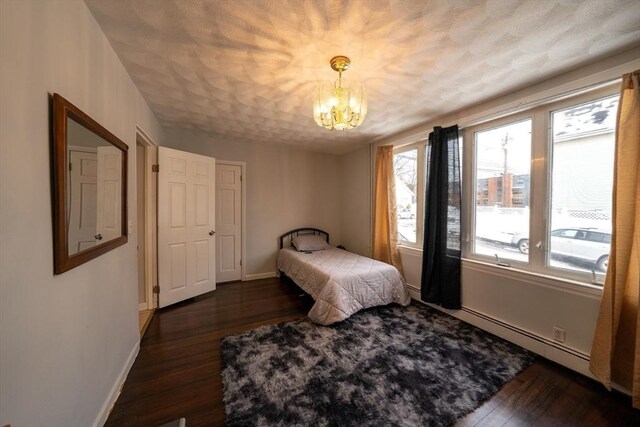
258 276
563 355
115 389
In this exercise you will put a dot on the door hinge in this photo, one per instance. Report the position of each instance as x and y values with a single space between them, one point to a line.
241 262
156 289
240 178
70 166
155 168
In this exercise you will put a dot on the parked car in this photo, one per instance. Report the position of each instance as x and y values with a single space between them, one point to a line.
581 244
406 213
519 240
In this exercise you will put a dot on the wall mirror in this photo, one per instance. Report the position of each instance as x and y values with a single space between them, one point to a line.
89 188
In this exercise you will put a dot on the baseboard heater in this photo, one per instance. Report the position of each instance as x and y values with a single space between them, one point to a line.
526 333
567 357
505 325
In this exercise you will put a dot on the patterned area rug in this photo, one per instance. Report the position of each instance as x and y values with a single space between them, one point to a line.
384 366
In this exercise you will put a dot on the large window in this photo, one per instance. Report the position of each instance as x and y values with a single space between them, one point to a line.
536 190
502 177
541 195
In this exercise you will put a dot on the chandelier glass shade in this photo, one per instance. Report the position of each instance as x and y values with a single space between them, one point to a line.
340 105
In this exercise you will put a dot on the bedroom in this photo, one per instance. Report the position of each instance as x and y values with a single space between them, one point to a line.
69 340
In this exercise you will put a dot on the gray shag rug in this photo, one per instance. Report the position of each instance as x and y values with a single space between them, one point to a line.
384 366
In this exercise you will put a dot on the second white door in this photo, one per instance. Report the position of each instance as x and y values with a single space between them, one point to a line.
228 222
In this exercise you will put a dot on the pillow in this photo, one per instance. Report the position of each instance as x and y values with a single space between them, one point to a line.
310 242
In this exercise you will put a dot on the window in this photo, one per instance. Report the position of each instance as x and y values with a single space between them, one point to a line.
543 176
502 176
582 146
405 166
540 199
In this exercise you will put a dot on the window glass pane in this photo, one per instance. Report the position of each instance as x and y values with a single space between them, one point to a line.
405 166
582 147
503 169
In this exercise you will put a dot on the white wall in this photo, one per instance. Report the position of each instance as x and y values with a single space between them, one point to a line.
356 209
529 304
64 340
287 188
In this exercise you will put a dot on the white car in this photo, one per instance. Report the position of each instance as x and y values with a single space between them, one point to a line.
581 244
406 213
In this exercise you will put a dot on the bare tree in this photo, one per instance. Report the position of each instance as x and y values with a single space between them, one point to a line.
404 165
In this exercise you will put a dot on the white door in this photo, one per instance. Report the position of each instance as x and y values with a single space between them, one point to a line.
83 173
228 222
186 225
109 212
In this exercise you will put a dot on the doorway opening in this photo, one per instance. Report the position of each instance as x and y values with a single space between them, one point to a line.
146 229
230 221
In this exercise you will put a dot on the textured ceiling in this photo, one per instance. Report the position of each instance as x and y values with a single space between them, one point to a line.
246 69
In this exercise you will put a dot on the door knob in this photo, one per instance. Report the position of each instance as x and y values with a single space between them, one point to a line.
211 233
98 237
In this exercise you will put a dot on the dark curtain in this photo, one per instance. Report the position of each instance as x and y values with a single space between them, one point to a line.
441 253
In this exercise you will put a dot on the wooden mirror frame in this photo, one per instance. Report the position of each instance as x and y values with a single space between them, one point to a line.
62 261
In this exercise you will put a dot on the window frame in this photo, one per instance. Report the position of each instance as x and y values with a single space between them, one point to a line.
540 202
419 192
594 277
469 185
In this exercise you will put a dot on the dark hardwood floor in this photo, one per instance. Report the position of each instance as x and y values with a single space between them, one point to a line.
177 372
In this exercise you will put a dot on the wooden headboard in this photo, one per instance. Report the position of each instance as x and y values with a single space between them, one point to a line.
289 235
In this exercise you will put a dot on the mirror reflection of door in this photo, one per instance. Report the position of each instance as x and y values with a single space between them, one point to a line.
94 189
83 175
109 221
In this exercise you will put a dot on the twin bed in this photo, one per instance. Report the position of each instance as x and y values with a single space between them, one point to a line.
340 282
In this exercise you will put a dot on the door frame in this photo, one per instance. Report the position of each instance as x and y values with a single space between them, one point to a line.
243 213
150 217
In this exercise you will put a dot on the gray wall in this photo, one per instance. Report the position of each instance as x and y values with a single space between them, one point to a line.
64 340
356 200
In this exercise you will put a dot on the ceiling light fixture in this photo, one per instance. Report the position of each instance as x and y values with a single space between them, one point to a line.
340 105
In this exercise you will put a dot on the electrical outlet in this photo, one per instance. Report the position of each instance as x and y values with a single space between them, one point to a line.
559 334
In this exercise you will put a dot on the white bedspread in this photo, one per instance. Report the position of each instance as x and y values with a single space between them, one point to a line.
342 283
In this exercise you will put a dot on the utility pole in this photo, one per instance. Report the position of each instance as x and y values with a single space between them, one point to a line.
506 202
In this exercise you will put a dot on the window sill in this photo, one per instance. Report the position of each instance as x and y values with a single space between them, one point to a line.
547 280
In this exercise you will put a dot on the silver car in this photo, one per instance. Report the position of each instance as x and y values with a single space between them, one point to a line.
583 244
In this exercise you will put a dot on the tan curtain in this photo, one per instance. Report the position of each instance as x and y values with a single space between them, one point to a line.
615 355
385 225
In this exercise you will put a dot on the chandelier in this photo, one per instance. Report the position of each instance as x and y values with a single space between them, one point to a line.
340 105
